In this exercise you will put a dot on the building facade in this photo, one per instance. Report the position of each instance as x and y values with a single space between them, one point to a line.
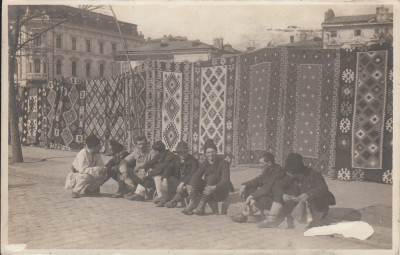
359 30
177 49
82 47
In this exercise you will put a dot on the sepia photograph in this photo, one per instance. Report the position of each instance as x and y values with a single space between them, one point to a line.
200 127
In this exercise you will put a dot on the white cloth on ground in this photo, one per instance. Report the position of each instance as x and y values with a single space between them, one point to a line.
356 229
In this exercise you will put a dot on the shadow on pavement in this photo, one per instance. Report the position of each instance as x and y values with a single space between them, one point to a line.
343 214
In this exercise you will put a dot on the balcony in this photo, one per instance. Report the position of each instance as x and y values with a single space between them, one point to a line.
36 76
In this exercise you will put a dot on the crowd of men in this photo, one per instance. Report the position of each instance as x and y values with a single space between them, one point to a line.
171 178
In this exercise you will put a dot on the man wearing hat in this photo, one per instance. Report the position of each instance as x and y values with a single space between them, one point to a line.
300 185
214 187
152 171
119 153
178 174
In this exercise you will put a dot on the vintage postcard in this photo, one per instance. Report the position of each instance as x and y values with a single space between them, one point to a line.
200 127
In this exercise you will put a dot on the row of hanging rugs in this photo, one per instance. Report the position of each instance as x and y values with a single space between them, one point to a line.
335 107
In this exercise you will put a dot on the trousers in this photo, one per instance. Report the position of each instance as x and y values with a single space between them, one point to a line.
88 182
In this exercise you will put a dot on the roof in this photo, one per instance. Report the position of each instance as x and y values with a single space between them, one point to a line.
305 44
173 46
354 19
166 50
83 18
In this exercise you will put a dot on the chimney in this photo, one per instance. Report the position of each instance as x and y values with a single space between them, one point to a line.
219 43
292 39
303 36
164 39
329 15
382 14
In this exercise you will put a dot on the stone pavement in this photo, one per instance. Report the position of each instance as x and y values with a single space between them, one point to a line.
44 216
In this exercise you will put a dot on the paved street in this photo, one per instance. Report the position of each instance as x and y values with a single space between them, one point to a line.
43 215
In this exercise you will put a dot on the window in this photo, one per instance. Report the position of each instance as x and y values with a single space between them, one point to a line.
37 41
58 67
88 69
101 47
376 31
44 67
37 65
58 41
73 68
114 47
88 45
101 70
30 67
334 34
73 43
357 32
386 30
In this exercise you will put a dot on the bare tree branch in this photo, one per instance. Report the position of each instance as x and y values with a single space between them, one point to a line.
49 28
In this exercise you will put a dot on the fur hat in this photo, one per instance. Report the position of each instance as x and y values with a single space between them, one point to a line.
294 163
116 147
209 144
182 146
158 146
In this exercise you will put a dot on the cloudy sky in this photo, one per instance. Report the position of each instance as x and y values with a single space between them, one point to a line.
236 23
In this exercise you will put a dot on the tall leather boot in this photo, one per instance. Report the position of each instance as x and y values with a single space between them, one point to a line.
214 206
174 201
193 202
121 190
201 208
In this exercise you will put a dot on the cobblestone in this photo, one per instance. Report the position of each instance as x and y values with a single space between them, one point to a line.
42 214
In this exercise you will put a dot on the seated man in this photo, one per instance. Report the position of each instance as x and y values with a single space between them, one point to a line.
150 173
178 175
112 168
89 169
258 191
214 187
130 165
301 184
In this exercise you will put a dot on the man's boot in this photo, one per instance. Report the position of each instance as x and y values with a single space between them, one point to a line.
174 201
201 208
193 202
214 206
121 188
272 221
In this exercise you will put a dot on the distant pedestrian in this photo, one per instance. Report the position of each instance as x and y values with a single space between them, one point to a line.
214 187
88 168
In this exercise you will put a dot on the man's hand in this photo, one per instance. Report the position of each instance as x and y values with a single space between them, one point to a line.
189 189
287 197
242 190
250 200
179 189
303 197
208 190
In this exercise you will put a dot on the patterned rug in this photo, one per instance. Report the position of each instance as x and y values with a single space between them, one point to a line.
213 105
31 112
114 111
136 102
259 104
365 119
310 107
105 110
168 96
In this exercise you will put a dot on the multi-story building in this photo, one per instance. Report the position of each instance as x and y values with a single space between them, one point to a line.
81 47
358 30
178 49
